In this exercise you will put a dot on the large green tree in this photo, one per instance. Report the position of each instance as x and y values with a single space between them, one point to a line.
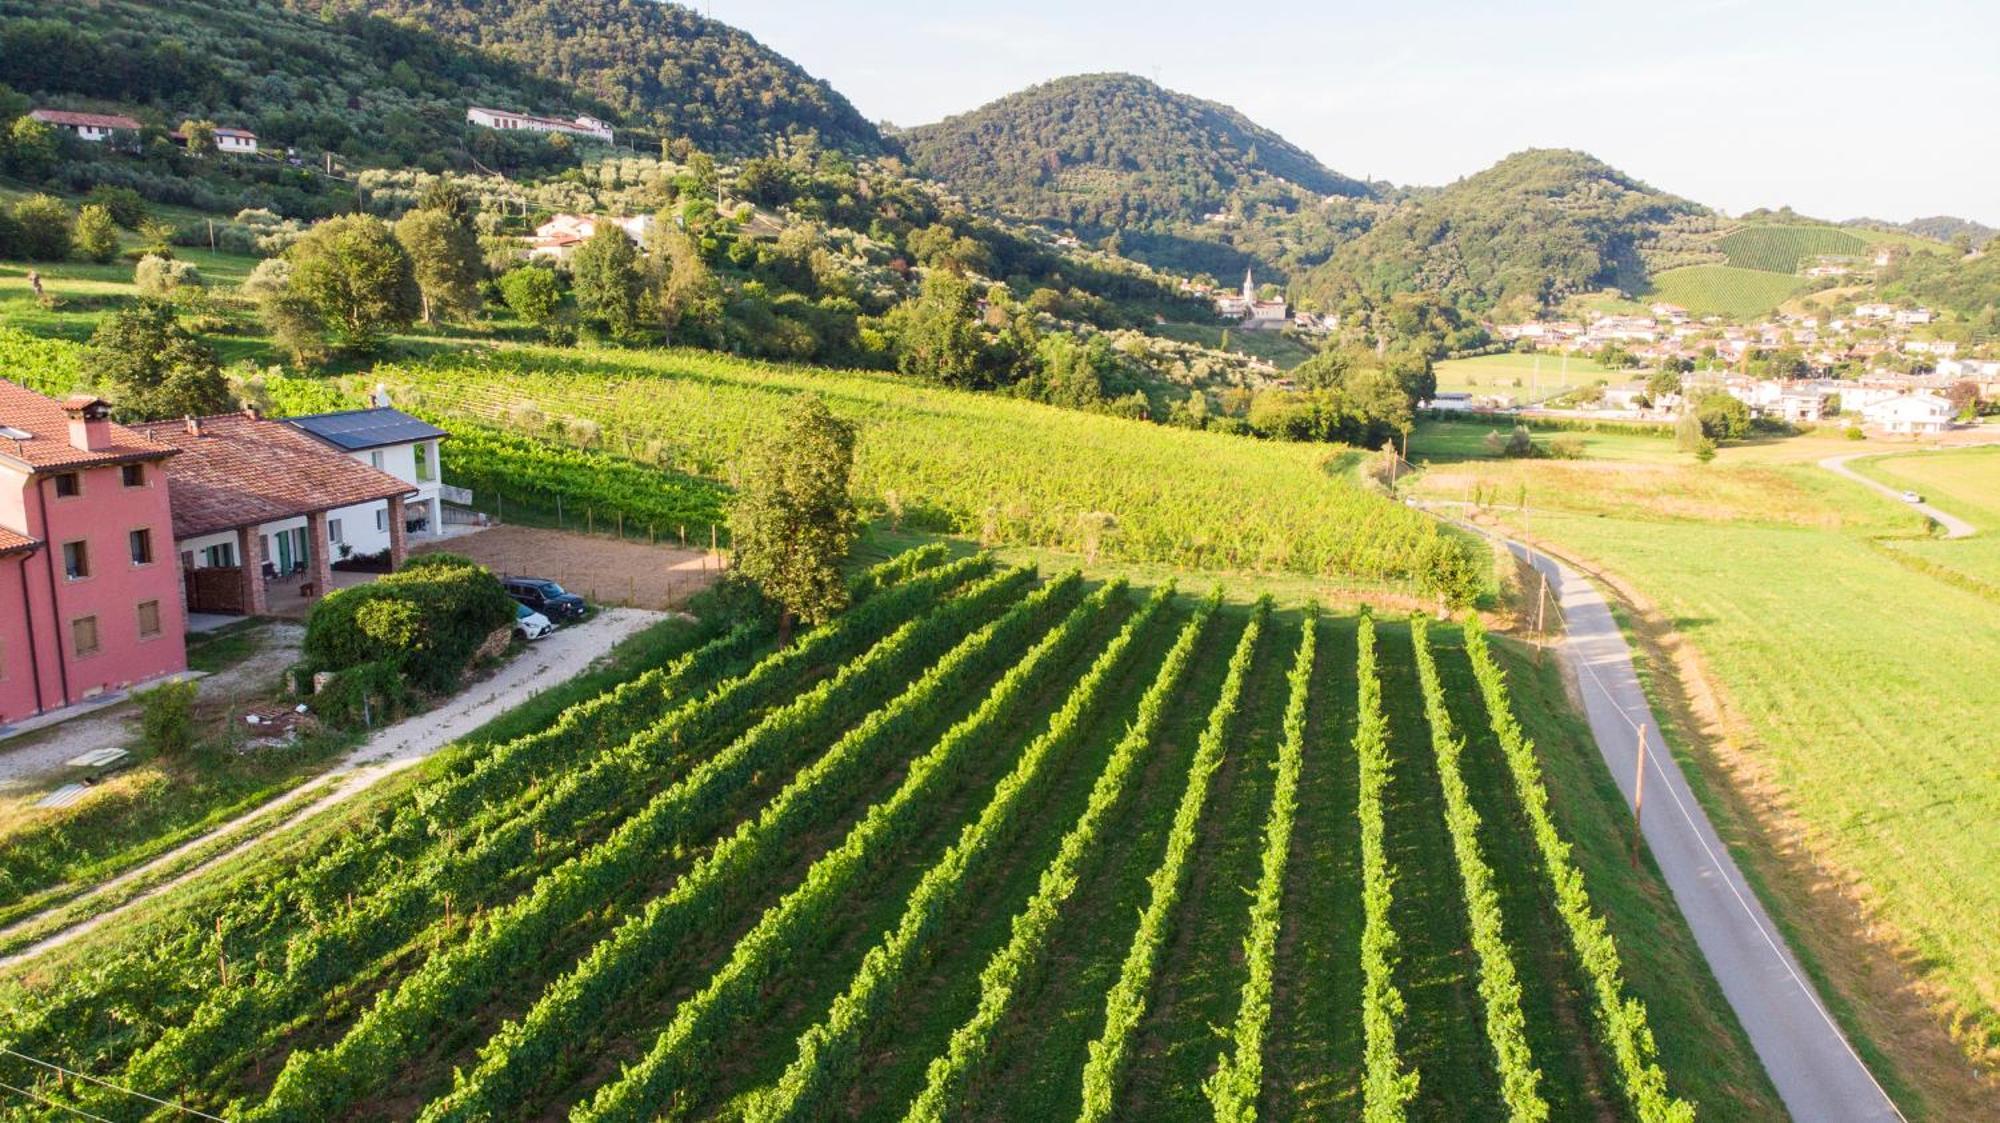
608 282
934 332
154 367
444 258
354 274
794 520
690 298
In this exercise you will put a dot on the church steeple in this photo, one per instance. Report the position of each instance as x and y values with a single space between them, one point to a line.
1249 286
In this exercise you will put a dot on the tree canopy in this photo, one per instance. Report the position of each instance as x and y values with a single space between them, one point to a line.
794 520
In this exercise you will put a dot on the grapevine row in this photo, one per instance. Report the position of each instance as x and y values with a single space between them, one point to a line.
1621 1019
521 1053
680 1058
1239 1075
829 1052
334 949
1126 1003
1386 1088
1034 926
450 982
1499 983
260 910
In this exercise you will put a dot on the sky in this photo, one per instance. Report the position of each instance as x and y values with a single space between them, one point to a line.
1838 109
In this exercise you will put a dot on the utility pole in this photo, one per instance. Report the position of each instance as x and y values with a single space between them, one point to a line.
1541 605
1639 798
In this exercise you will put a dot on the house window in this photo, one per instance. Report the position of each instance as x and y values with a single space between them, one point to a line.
375 460
423 452
382 520
149 618
333 534
76 560
141 541
83 636
220 556
134 475
69 485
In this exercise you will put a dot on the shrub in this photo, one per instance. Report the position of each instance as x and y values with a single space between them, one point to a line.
166 718
96 233
125 205
158 277
45 228
426 620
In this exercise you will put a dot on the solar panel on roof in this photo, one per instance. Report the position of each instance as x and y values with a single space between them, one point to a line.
370 428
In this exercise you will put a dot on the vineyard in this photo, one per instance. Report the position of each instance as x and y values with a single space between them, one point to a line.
1787 249
986 846
1723 290
995 468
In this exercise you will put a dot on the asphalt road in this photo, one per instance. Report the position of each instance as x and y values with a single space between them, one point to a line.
1817 1073
1954 527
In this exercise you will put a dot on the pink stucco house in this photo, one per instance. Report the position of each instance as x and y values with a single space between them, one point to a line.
90 594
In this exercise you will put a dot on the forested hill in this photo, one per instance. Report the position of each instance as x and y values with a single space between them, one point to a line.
1527 232
1112 152
659 65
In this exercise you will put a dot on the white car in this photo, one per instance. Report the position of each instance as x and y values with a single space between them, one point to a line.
529 624
1912 497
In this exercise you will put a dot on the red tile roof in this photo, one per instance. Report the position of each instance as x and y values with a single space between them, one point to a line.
89 120
49 448
12 543
245 471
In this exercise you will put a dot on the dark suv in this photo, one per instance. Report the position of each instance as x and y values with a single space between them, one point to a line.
545 597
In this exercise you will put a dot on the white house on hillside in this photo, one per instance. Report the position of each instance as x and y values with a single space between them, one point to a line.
588 127
240 142
87 126
1910 415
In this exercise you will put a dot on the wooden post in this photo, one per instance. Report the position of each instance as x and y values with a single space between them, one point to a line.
211 235
1541 604
221 960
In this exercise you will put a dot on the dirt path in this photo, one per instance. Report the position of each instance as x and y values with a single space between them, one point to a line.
37 754
1954 527
558 658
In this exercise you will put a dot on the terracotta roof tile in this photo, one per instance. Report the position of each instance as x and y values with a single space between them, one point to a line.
244 471
91 120
49 448
12 543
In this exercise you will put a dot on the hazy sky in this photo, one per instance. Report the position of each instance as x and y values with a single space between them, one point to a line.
1839 109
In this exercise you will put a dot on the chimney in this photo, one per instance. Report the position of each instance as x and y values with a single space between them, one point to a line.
250 411
193 426
381 396
89 423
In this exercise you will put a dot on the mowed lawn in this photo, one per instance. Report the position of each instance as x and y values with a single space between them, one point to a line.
1870 690
1525 376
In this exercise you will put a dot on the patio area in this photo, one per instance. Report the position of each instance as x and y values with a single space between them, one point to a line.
285 601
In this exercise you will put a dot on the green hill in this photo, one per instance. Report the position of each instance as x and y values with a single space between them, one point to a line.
1531 230
660 66
1724 290
1114 151
1787 249
388 82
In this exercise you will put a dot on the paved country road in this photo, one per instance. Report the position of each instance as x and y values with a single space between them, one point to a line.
1817 1073
1954 527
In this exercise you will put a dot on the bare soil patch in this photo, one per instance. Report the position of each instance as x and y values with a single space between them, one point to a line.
601 569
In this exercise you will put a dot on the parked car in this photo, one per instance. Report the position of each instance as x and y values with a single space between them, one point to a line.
545 597
1912 497
529 624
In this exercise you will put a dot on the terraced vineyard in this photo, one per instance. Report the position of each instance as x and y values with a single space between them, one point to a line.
1787 249
984 847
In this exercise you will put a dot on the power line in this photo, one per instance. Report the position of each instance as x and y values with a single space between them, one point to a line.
108 1084
53 1103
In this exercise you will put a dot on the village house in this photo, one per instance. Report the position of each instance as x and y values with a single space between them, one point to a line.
559 237
387 440
235 141
93 127
1912 317
1255 314
507 119
1916 415
261 509
89 597
1874 311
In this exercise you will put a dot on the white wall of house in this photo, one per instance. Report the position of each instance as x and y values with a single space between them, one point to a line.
229 142
417 464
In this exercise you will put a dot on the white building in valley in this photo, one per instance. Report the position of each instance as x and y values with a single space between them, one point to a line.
1914 415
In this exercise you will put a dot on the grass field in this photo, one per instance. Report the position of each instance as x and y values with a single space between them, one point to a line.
1522 376
1277 348
906 862
1963 482
1784 249
1723 290
1857 683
